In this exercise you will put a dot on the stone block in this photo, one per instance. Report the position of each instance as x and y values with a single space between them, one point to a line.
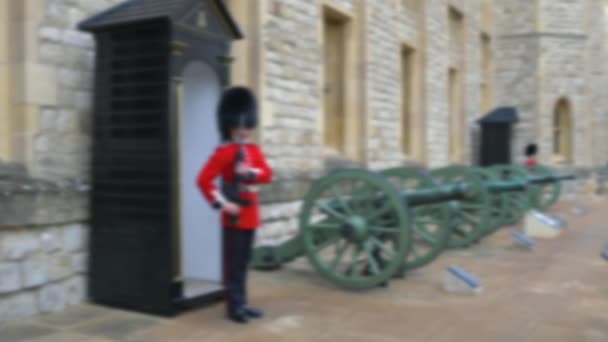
10 279
40 84
68 120
75 290
51 240
18 245
88 61
75 15
42 143
93 6
65 97
80 262
56 13
78 39
458 281
18 306
48 118
34 271
536 228
60 266
83 100
69 77
74 57
49 33
52 298
16 209
291 227
74 237
86 80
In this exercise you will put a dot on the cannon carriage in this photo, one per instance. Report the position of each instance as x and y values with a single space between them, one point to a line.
360 228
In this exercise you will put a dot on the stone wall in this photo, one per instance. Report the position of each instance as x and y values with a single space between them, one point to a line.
348 5
42 269
532 71
472 78
292 54
554 50
517 68
436 83
43 245
292 83
562 16
601 114
563 42
383 86
409 20
293 65
590 181
63 142
597 78
563 76
515 17
280 223
43 237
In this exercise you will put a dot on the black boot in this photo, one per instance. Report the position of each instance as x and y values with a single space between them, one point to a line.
253 312
239 316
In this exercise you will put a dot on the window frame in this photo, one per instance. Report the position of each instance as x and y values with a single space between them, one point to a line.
562 132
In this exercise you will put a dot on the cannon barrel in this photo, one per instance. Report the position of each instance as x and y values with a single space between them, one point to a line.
550 178
440 194
456 191
461 190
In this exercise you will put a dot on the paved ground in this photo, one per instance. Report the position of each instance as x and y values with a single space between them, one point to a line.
558 292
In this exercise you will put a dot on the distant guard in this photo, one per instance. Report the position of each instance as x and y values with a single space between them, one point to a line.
531 152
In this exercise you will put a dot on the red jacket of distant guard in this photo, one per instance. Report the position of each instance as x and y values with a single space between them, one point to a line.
530 162
221 163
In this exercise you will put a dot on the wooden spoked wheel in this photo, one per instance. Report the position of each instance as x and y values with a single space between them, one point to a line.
345 231
430 227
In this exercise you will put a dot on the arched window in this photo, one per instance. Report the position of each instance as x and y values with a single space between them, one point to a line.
562 131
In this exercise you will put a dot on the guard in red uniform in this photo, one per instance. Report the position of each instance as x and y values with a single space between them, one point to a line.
241 165
531 151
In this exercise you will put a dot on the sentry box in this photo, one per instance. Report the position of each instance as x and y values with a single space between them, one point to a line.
160 68
496 136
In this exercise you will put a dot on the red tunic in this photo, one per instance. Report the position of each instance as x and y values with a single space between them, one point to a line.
530 163
221 163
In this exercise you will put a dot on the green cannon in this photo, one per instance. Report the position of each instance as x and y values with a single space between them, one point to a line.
359 228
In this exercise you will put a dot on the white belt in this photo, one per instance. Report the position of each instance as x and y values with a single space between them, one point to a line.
249 188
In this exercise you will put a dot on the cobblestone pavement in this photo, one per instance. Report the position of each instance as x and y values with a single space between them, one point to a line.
557 292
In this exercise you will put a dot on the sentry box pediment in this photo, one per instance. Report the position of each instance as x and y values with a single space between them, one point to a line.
160 68
209 18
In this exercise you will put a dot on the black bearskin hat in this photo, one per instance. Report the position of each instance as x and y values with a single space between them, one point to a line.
237 107
531 150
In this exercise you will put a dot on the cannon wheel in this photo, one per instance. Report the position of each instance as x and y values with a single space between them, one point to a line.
344 231
496 200
515 203
430 228
544 195
469 217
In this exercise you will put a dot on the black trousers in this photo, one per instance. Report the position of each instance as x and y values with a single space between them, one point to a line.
237 245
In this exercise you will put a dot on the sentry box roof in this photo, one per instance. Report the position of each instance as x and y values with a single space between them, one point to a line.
184 13
500 115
